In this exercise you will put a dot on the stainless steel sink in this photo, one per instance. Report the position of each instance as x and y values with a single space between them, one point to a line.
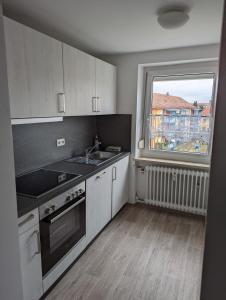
102 155
95 158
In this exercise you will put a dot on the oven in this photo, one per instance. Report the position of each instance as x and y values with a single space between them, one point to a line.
62 225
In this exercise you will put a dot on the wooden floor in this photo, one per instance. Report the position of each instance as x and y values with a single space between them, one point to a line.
142 254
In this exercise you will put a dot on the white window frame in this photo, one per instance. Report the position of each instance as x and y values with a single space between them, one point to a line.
190 69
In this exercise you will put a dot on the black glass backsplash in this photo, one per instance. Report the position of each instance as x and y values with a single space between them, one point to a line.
35 144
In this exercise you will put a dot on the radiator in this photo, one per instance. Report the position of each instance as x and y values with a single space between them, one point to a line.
179 189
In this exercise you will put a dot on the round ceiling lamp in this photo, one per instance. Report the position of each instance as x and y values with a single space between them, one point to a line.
173 18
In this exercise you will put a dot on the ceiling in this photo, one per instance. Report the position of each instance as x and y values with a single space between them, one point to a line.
119 26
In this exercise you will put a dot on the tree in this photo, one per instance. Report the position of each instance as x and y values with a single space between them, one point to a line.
195 103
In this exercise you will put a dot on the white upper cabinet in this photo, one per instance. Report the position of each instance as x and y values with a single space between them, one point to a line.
105 87
79 81
35 71
40 69
90 84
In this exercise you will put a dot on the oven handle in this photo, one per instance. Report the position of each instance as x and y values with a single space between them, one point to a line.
65 211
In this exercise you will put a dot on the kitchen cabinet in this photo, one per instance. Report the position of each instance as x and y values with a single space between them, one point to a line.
98 202
40 69
79 81
90 84
30 256
105 87
35 72
120 185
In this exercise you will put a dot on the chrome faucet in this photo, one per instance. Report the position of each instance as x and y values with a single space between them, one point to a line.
90 150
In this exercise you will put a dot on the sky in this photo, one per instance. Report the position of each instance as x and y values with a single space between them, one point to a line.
199 90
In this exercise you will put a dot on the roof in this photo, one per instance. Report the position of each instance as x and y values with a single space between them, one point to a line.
206 111
163 101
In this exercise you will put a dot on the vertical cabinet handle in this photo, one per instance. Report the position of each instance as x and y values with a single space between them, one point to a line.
114 173
36 232
94 105
61 103
98 104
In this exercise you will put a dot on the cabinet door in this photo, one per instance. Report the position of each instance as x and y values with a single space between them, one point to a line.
31 264
35 72
120 185
105 87
79 81
98 202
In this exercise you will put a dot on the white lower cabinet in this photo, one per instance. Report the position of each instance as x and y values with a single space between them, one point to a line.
106 193
120 184
30 257
98 204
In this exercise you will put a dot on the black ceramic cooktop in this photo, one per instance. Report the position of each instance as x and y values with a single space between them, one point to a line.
37 183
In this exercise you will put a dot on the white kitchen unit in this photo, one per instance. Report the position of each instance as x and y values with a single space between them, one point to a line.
79 81
35 72
98 204
120 184
30 254
105 87
90 83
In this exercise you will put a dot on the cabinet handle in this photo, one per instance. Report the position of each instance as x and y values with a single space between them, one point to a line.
114 173
28 219
94 106
98 177
61 102
98 105
36 232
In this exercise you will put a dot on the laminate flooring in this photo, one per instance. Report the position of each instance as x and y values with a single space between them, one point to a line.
144 254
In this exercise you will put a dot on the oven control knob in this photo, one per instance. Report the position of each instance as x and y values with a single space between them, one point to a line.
53 207
47 211
76 193
80 191
68 198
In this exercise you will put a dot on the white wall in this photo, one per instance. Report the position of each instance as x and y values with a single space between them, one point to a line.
127 93
10 275
128 72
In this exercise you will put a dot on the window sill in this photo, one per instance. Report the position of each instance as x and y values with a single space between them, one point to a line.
173 163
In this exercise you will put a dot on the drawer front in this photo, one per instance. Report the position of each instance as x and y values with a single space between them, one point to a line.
28 221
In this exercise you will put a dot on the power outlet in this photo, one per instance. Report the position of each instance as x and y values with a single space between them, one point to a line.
60 142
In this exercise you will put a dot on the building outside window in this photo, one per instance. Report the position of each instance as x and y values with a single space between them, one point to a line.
181 113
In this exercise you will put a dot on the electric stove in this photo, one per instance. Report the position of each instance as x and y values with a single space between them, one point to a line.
37 183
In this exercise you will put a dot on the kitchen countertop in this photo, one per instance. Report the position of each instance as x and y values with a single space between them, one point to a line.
26 204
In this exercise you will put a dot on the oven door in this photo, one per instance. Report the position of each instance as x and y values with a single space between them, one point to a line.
60 231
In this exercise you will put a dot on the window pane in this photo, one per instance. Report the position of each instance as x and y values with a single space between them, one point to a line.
180 115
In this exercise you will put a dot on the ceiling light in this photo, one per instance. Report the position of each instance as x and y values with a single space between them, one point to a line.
173 18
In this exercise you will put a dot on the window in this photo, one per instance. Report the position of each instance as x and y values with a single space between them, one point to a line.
180 113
